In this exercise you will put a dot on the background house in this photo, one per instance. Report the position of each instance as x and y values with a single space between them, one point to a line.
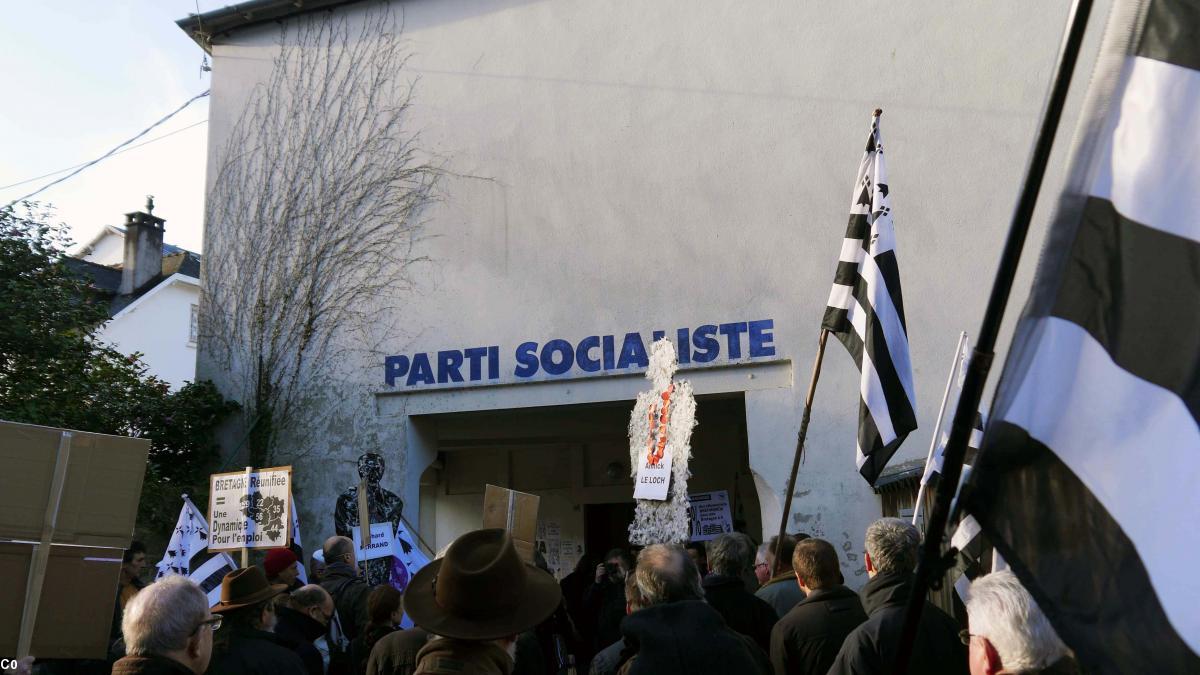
154 291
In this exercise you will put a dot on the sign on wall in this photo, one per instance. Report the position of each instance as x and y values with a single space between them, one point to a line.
710 515
250 509
591 355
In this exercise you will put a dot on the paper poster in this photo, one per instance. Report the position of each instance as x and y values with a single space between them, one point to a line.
569 553
710 516
250 509
209 575
382 544
653 479
548 544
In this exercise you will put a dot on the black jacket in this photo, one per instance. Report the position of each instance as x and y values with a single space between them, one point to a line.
349 592
604 603
687 638
741 609
255 652
807 639
299 630
871 648
396 653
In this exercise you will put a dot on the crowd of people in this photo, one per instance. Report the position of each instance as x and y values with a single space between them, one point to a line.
727 607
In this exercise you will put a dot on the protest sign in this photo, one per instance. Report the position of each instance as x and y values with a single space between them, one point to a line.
209 575
653 479
382 544
250 509
513 511
710 515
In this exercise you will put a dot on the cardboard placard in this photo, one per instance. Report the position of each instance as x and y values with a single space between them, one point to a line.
76 607
710 515
513 511
250 509
100 496
382 544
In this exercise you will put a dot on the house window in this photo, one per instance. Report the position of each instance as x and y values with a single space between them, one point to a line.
194 328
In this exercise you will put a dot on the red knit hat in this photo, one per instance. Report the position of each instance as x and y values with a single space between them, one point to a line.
278 560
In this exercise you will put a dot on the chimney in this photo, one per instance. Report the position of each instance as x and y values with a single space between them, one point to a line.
143 248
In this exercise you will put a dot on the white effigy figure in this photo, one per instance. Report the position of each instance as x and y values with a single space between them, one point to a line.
660 434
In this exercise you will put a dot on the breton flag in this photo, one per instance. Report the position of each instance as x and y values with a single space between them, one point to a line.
933 468
189 538
866 313
1087 482
296 546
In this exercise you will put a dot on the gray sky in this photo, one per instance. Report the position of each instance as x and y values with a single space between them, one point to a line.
81 77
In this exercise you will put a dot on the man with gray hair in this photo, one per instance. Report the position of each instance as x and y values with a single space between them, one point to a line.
729 557
168 629
891 559
676 632
1009 633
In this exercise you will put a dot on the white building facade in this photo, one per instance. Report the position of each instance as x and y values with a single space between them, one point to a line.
615 170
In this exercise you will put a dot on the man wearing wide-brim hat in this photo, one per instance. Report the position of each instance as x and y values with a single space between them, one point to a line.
476 599
246 643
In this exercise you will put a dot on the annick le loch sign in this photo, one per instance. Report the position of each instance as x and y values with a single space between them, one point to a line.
593 354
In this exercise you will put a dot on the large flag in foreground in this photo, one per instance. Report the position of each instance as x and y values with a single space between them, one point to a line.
1087 482
866 313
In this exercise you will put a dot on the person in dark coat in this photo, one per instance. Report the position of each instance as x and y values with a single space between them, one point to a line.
246 643
1009 633
807 639
343 582
168 630
303 621
383 608
871 648
781 591
677 633
396 653
604 600
608 660
729 557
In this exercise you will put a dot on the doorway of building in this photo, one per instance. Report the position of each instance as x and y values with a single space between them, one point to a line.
606 526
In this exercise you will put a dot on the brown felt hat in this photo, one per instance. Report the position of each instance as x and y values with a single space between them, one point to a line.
245 587
481 590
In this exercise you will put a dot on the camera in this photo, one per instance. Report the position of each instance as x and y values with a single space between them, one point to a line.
612 570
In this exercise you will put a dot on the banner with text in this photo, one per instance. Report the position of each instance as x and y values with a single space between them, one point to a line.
250 509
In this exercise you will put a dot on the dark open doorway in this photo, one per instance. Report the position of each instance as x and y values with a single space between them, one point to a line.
606 526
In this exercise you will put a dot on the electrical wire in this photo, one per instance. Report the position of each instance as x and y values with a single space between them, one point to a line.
132 147
112 152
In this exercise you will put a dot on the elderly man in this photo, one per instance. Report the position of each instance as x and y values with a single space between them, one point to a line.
676 632
807 639
891 558
247 643
168 629
781 591
303 621
477 599
342 581
729 556
1009 633
762 564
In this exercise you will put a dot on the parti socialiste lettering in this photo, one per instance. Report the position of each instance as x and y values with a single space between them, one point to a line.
592 354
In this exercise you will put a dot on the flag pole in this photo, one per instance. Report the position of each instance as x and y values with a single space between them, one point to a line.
808 401
931 565
937 429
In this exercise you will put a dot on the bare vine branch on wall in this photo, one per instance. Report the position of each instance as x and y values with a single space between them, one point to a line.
314 217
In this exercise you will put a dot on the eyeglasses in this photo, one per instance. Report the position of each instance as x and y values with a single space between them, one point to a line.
965 636
213 624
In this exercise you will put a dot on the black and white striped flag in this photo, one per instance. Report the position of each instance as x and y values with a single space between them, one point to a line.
1087 482
866 313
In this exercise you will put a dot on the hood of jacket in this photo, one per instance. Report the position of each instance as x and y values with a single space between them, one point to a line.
722 581
295 621
339 569
886 590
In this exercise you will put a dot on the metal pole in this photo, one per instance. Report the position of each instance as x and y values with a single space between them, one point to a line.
937 429
931 565
791 487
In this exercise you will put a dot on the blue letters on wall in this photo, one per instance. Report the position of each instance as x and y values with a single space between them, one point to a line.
593 354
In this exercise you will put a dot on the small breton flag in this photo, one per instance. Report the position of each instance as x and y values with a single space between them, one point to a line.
1087 481
189 538
933 469
866 313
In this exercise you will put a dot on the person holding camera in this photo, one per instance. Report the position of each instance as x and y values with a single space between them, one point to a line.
604 600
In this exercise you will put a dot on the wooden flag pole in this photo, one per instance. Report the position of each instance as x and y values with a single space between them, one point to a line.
791 486
931 565
245 550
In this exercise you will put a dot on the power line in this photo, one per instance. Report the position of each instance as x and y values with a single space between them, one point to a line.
112 152
132 147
